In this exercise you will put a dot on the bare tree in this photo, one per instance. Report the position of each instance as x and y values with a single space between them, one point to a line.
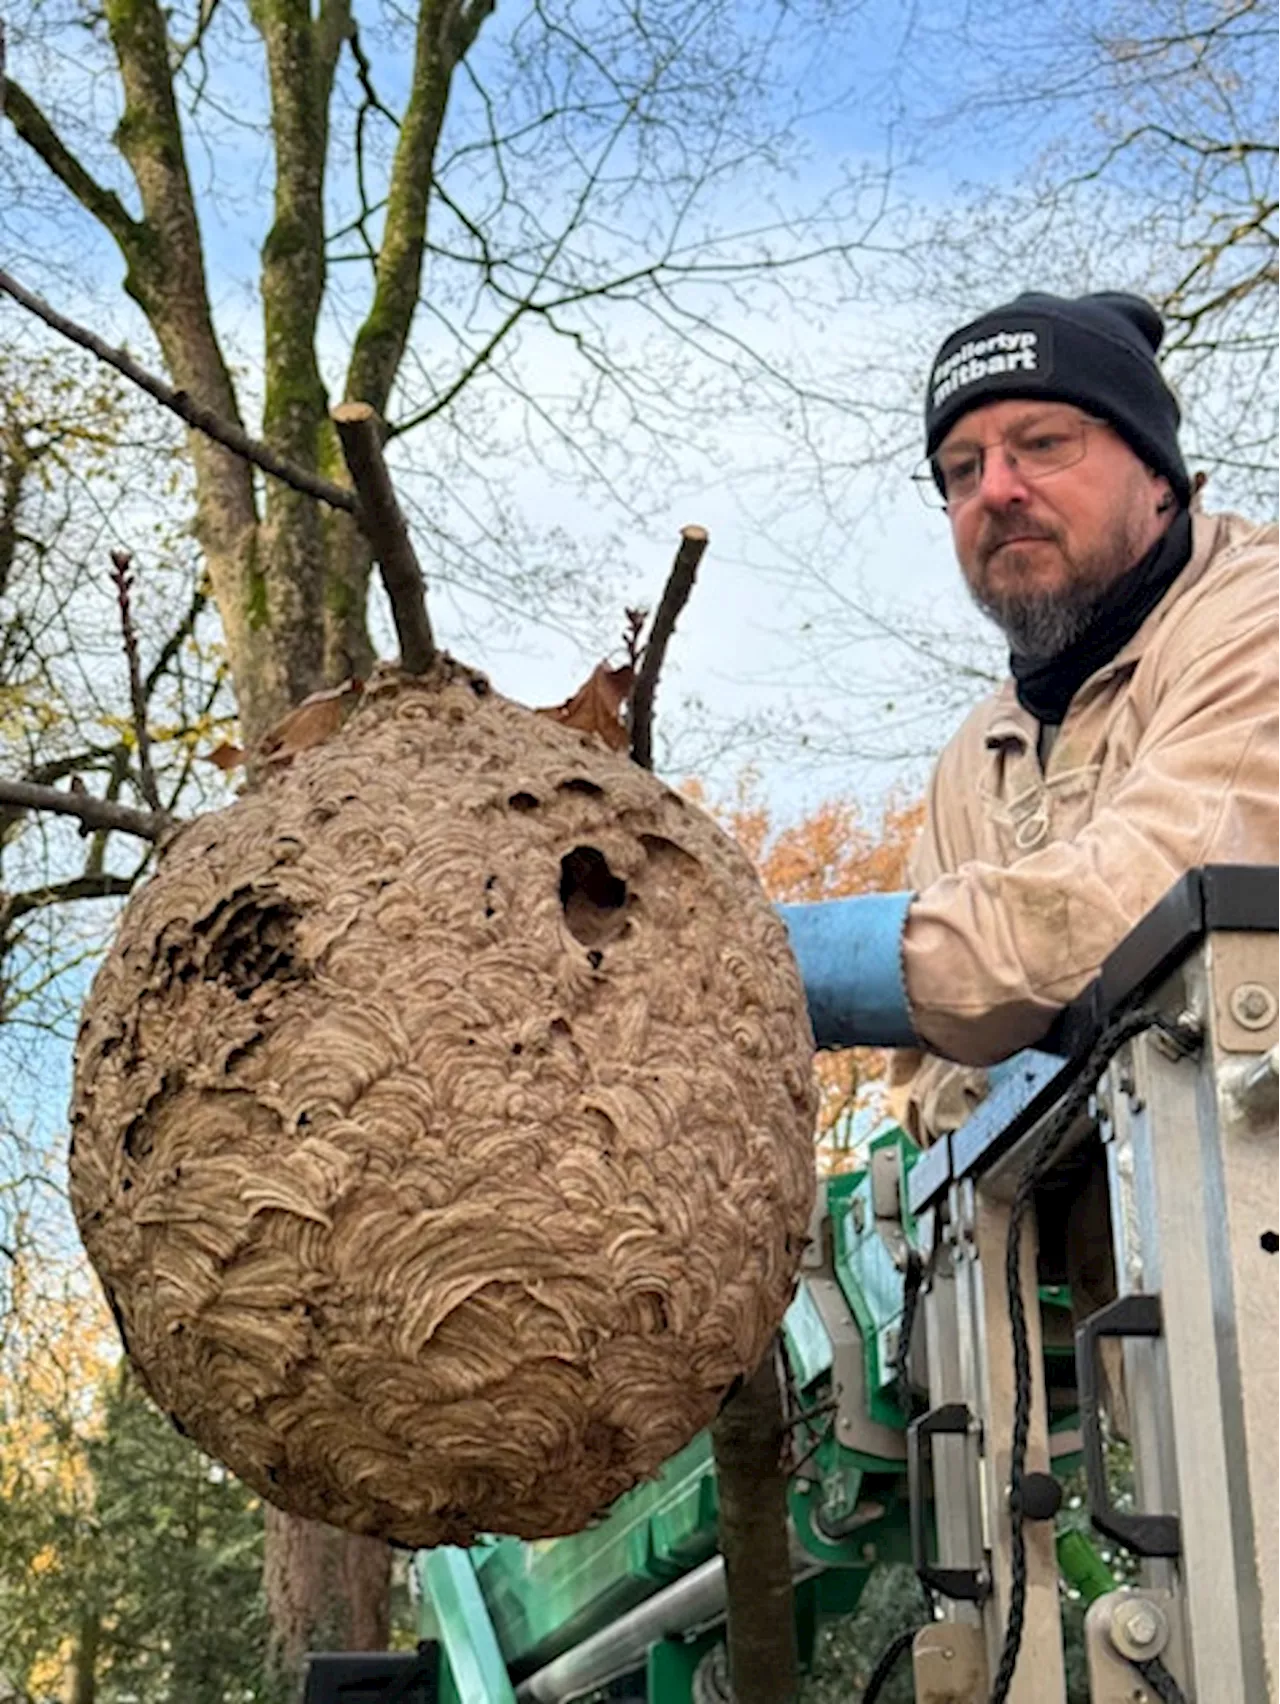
1152 130
77 462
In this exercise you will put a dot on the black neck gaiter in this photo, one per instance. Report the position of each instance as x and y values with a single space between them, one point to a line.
1046 685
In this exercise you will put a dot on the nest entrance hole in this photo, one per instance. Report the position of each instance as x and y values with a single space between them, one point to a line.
594 899
249 943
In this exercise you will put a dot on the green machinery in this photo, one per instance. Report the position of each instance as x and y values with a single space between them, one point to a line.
1161 1087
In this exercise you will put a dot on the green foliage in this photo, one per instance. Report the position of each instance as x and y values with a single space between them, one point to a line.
130 1565
181 1558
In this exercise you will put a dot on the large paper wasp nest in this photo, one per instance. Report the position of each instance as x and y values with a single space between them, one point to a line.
442 1123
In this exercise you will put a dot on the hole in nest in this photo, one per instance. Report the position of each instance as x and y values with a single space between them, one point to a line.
523 802
137 1139
594 899
580 784
249 944
1269 1242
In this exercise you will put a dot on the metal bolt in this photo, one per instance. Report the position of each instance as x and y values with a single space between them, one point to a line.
1252 1005
1138 1628
1187 1035
1142 1625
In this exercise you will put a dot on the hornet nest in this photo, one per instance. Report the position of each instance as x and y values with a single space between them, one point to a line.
442 1122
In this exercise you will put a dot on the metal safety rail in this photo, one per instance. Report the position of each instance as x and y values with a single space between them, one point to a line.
1165 1082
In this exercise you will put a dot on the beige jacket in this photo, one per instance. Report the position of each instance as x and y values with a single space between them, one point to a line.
1026 879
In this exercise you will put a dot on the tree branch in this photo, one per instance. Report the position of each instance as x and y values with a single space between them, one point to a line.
446 30
300 70
675 595
383 525
203 419
102 886
94 813
17 464
39 135
174 643
121 563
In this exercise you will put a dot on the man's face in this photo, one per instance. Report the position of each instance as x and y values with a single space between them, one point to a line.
1039 548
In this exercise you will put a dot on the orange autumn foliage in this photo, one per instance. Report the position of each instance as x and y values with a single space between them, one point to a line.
829 854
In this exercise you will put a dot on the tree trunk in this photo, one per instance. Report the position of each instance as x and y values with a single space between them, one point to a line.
747 1441
326 1591
84 1662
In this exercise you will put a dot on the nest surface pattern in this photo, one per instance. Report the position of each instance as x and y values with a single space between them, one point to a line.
442 1128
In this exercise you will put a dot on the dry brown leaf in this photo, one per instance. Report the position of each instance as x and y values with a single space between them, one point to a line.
596 708
310 723
226 756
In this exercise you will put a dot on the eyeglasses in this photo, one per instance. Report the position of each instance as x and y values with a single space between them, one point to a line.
1047 444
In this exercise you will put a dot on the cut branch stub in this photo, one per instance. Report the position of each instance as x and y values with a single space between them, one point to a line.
443 1122
360 432
675 595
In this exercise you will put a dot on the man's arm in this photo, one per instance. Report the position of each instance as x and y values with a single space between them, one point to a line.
991 955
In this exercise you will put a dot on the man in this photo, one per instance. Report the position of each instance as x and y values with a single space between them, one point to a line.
1135 739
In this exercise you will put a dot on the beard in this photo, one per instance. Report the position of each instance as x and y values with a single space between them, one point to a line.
1042 624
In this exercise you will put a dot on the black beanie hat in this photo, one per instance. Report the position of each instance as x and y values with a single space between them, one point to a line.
1097 352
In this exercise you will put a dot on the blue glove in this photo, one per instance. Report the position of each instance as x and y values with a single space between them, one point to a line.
850 957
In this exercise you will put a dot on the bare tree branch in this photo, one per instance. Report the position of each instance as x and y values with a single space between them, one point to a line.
446 30
39 135
383 525
121 564
99 886
94 813
178 402
675 595
177 639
